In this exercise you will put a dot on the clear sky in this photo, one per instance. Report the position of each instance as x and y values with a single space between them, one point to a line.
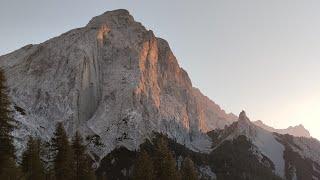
262 56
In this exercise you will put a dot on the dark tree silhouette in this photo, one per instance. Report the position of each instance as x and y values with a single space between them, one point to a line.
63 157
32 166
165 164
8 168
82 163
143 169
188 171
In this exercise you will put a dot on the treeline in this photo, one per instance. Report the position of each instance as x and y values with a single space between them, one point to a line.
157 159
161 165
57 159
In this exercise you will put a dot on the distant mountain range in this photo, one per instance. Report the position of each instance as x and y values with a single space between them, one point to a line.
298 131
115 79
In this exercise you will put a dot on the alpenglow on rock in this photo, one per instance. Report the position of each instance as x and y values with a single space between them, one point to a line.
112 78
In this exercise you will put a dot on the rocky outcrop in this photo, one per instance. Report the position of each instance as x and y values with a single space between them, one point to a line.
112 78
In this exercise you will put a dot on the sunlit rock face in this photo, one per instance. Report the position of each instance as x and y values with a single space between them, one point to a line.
112 78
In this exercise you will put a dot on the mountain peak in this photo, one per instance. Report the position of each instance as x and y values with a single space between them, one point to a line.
300 126
243 116
244 124
119 17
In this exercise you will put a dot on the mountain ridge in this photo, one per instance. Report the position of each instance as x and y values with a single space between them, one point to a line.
298 130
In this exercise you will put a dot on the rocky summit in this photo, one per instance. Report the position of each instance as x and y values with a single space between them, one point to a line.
112 78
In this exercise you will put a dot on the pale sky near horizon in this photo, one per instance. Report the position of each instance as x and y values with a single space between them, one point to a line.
260 56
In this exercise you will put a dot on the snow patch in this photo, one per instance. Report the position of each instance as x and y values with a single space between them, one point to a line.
271 148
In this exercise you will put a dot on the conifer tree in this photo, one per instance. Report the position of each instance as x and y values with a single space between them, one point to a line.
48 154
188 171
32 166
8 168
63 157
165 164
10 171
82 166
143 169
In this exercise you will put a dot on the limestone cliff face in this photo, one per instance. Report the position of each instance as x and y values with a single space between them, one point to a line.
112 78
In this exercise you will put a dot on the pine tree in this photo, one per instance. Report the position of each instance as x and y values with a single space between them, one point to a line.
188 171
82 165
143 169
32 166
63 157
8 168
165 164
10 171
48 154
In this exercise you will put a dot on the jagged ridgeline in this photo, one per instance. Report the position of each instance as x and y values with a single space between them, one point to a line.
119 90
